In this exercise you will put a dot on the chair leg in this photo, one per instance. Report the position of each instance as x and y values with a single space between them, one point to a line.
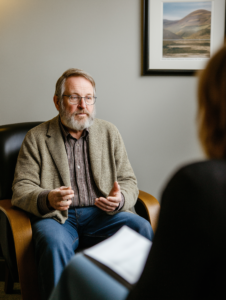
9 282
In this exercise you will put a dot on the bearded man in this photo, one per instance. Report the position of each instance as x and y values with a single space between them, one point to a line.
74 178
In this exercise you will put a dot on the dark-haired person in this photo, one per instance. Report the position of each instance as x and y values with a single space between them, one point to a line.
187 259
74 177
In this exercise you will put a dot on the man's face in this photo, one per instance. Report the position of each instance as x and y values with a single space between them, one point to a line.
80 116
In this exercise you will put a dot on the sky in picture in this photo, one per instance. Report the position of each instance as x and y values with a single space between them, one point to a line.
178 10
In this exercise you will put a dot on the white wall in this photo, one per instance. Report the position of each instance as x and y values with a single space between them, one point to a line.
40 39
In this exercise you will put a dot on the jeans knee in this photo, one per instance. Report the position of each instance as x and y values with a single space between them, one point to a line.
53 246
143 227
147 230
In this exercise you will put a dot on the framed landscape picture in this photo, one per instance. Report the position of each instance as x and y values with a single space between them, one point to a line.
181 35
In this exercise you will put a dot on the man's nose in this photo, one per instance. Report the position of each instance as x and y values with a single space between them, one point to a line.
82 103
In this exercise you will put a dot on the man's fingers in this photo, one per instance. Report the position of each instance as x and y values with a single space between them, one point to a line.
65 188
63 205
66 197
104 207
60 198
114 199
63 193
107 202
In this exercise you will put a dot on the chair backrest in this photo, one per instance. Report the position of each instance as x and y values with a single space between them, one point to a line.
11 138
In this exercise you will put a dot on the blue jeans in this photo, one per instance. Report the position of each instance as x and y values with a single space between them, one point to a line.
55 243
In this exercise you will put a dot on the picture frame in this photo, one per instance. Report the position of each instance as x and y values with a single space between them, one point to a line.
179 36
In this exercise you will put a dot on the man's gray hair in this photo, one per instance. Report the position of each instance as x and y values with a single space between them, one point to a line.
69 73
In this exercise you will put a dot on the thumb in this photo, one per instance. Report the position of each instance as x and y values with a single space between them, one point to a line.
115 189
116 186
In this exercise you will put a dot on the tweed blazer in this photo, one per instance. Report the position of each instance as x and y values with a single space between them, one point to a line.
42 164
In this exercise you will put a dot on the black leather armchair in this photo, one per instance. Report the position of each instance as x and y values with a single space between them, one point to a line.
15 226
11 138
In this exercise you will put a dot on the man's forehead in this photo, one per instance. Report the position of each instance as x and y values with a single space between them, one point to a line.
78 82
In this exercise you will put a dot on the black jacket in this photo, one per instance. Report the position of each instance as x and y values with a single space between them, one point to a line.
188 256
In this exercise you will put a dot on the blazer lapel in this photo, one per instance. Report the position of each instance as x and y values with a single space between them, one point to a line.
95 151
55 144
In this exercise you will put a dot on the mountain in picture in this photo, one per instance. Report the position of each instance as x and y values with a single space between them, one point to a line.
188 37
196 25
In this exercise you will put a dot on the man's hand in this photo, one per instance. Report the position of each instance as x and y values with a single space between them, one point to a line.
60 198
112 201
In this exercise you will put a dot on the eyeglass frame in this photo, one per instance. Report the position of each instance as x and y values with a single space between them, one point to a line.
80 98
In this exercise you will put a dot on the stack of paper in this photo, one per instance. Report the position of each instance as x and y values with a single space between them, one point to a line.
125 253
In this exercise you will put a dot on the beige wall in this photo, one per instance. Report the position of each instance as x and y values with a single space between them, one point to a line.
40 39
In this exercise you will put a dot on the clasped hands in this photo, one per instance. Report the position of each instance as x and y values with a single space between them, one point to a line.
60 198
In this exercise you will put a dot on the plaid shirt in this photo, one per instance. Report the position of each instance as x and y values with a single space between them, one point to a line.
82 183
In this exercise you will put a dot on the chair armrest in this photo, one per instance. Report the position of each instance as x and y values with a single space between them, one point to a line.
152 207
22 235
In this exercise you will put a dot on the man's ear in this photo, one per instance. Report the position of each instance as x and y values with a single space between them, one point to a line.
56 102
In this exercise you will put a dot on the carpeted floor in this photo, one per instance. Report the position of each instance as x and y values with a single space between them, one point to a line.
16 292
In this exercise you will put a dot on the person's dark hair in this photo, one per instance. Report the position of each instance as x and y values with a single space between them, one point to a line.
212 106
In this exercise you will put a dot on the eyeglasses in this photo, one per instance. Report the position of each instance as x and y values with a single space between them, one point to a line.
75 99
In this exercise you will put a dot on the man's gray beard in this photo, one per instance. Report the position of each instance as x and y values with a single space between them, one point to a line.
70 121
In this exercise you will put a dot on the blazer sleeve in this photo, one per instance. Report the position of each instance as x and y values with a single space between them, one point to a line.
125 175
26 184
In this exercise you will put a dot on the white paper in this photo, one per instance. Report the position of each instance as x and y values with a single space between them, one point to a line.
125 253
